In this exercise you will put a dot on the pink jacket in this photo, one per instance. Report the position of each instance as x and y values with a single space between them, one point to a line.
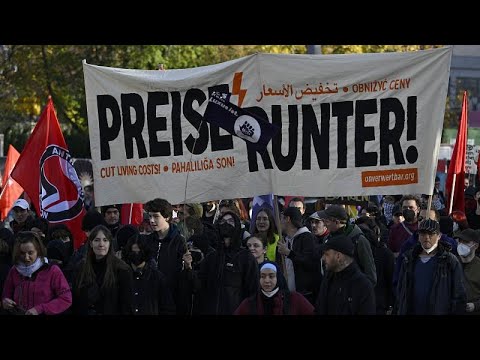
48 290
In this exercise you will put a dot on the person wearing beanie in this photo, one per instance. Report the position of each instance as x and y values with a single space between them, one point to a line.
336 220
298 254
123 235
430 280
273 296
345 290
111 215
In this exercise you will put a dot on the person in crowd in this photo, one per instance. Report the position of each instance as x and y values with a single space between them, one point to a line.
111 215
430 281
151 295
461 221
191 213
123 235
22 219
345 290
33 286
40 226
6 246
468 242
102 283
388 203
60 249
228 275
237 207
384 264
166 243
265 224
336 219
89 201
298 254
257 245
299 203
447 242
399 233
397 215
273 297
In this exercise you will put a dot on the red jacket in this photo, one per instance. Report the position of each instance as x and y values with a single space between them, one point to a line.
298 305
47 290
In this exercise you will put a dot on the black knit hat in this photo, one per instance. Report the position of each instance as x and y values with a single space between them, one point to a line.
125 233
339 243
430 226
91 219
113 206
57 250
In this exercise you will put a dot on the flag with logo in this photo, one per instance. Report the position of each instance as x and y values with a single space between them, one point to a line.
255 130
11 191
45 171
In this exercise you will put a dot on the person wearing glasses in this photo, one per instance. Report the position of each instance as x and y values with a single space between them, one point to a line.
33 285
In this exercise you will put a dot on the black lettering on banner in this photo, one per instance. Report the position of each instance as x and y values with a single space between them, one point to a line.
219 142
391 136
321 140
133 130
107 133
364 133
412 152
155 124
285 163
342 110
195 119
252 153
177 123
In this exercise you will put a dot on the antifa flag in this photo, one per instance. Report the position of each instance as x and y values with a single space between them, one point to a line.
45 170
255 130
11 191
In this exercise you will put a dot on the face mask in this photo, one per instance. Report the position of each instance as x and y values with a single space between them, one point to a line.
226 230
409 215
428 251
136 258
455 227
463 250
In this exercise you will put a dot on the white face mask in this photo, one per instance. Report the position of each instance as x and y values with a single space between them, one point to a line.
428 251
455 227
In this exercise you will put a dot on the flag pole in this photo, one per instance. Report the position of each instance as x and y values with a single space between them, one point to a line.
450 205
130 215
429 206
279 227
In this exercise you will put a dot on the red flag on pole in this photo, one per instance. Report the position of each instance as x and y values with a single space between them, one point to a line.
11 191
131 214
455 185
45 170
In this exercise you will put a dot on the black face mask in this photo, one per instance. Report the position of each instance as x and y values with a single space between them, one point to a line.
226 230
136 258
409 215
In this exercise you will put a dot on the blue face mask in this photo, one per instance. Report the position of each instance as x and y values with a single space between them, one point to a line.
463 250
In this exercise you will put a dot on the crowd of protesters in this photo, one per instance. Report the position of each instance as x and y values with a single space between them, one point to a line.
389 257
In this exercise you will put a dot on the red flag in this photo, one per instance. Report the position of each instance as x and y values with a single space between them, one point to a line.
457 163
11 191
131 214
45 170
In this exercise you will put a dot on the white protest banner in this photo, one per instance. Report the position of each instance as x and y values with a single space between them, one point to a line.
351 125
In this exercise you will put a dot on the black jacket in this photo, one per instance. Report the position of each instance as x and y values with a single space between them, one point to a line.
151 295
348 292
95 300
168 254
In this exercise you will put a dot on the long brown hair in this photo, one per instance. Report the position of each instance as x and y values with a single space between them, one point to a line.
272 229
87 276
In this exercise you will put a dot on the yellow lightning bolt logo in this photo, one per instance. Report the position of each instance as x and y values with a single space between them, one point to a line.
236 88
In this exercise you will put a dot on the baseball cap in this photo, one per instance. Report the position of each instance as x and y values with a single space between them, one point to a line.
315 216
468 235
21 203
334 211
429 225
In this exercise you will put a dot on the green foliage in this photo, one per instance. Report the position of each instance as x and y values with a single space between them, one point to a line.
29 73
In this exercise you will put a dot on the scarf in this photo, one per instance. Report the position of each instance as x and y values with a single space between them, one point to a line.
269 294
28 270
